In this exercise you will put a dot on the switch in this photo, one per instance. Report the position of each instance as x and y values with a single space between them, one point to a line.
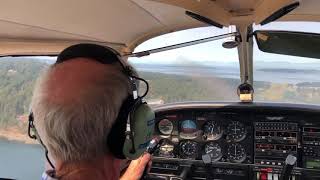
263 176
269 176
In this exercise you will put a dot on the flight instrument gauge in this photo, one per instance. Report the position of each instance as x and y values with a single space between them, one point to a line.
212 130
236 153
166 149
188 129
214 150
236 131
188 149
165 127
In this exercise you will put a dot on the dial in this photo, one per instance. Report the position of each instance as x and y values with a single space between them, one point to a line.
165 127
214 150
236 131
188 129
188 149
166 149
212 130
188 126
236 153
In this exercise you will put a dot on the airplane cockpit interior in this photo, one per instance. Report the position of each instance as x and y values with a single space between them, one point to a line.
243 104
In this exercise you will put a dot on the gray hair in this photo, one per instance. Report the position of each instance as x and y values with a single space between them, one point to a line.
78 130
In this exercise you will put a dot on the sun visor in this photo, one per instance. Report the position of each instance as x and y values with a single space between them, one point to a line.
289 43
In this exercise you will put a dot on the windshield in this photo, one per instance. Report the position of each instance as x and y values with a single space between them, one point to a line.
284 78
209 72
204 72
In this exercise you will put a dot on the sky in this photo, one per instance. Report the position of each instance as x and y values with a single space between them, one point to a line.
213 51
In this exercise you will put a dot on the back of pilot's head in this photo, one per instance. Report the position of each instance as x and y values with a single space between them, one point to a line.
75 104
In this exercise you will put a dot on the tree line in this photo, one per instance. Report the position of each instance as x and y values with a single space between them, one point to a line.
18 76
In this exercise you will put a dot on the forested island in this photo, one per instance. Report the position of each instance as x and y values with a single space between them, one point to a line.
18 76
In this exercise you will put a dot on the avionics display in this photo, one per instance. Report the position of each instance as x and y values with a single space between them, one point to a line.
274 141
311 147
313 163
311 129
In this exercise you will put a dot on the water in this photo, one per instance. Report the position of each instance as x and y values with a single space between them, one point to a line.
274 73
20 161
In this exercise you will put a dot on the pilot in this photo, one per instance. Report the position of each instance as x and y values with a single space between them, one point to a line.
79 107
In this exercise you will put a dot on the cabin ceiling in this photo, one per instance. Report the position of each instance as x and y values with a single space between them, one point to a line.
46 27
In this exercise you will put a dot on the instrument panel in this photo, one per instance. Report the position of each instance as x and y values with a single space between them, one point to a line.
215 137
236 142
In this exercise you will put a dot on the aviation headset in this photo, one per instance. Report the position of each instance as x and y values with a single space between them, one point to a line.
133 129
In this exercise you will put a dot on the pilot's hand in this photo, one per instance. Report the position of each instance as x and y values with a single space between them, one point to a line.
136 168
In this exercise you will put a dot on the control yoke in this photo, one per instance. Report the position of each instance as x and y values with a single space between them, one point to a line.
288 167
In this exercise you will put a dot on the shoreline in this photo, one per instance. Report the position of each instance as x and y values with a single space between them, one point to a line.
14 134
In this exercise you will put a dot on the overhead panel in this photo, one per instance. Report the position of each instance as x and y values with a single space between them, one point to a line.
111 20
11 30
166 14
172 18
307 11
232 5
126 23
207 8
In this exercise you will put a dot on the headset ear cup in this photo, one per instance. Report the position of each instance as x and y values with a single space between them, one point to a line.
117 136
142 127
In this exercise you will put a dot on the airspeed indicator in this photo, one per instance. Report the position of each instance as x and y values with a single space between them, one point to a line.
165 127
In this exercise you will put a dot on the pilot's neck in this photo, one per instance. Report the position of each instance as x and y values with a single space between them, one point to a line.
102 168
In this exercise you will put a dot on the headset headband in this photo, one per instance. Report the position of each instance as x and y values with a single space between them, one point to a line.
99 53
